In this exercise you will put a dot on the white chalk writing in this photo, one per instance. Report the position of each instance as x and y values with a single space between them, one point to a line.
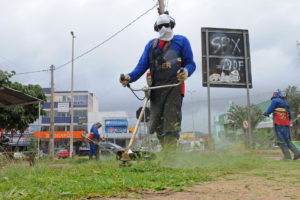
227 64
222 44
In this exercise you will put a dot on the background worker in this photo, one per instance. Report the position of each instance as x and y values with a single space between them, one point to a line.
163 56
282 118
94 137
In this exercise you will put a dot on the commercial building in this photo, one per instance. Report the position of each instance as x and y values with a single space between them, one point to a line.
115 126
84 102
86 113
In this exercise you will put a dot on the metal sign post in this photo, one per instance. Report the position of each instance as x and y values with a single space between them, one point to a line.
208 91
226 63
248 92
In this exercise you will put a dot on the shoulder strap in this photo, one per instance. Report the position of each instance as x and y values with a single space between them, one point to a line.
154 44
166 45
285 105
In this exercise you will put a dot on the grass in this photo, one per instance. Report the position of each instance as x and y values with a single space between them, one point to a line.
81 178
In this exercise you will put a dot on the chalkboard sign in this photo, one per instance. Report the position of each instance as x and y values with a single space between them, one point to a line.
226 61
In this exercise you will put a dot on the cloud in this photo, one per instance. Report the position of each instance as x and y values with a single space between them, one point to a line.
35 34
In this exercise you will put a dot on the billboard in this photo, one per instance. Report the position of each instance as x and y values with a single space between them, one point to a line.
226 58
116 126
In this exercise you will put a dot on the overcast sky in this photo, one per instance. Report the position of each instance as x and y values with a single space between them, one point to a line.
36 33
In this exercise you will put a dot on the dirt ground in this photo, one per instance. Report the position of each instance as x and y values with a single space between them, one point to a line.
243 186
252 185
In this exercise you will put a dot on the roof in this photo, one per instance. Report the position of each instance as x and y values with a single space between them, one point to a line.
263 106
48 91
10 97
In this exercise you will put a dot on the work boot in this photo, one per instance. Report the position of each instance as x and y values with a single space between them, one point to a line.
90 157
170 142
285 151
295 150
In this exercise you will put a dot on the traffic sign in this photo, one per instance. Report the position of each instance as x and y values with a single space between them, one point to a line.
147 114
245 124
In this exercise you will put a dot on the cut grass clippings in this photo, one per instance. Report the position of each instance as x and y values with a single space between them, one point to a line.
78 178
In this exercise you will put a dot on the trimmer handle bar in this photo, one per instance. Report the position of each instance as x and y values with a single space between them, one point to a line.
146 88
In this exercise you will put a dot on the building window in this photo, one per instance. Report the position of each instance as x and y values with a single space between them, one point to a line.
45 128
66 99
81 100
80 128
59 128
61 114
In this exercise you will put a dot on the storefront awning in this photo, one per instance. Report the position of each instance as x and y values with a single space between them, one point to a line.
10 97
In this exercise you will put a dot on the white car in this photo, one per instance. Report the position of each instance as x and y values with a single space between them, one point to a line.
19 155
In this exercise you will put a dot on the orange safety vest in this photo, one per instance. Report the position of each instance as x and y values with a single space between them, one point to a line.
281 117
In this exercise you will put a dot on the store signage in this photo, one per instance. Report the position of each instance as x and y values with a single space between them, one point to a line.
63 107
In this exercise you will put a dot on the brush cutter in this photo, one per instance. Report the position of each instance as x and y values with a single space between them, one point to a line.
125 156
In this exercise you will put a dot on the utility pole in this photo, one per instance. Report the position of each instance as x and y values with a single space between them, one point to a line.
191 92
161 6
39 129
51 141
72 98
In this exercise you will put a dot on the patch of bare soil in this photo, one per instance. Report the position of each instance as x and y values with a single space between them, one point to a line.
251 185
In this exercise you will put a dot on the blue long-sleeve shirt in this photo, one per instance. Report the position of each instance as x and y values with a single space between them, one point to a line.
94 130
277 103
182 47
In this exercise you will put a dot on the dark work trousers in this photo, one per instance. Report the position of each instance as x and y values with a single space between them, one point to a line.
94 149
165 117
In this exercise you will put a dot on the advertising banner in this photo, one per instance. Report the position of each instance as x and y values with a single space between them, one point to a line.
60 134
116 126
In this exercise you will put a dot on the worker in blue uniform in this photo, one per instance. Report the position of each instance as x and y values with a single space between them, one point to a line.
282 119
170 60
94 138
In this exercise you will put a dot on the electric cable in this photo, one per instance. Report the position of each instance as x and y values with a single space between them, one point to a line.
31 72
139 98
95 47
106 40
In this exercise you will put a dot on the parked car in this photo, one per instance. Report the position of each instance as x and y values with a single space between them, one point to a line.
107 148
64 153
19 155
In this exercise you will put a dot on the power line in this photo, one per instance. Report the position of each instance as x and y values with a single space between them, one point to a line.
6 59
31 72
106 40
92 49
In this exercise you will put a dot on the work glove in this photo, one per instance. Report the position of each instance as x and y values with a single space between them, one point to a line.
125 79
182 74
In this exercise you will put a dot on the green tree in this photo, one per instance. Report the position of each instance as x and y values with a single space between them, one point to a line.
293 98
19 117
237 114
